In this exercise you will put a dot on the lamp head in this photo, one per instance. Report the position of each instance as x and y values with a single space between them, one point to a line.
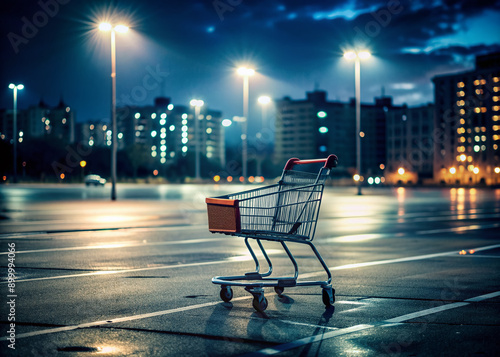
244 71
350 55
105 26
121 28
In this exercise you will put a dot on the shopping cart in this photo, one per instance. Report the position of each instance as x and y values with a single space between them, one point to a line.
284 212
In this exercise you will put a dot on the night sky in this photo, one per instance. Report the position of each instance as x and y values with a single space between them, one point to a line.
190 49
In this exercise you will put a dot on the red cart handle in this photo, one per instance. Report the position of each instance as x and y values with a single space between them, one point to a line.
330 161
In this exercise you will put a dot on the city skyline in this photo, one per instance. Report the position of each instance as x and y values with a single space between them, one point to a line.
190 50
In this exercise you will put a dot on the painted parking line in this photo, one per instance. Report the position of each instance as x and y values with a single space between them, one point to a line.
117 245
297 343
119 319
248 257
345 331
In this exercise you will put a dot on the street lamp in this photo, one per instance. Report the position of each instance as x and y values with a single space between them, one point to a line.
264 101
357 56
119 28
246 73
14 124
225 124
197 104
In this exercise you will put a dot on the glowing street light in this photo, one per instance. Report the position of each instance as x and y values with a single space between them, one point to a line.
246 73
14 124
119 28
225 124
197 104
357 56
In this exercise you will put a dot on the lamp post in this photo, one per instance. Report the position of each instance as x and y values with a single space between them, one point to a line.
113 30
225 123
246 73
14 124
264 101
357 56
197 104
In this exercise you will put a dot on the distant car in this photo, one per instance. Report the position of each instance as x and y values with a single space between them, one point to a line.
95 180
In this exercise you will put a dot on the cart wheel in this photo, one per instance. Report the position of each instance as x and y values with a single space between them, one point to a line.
279 290
226 293
259 303
328 296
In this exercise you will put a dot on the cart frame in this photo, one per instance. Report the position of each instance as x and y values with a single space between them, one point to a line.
291 219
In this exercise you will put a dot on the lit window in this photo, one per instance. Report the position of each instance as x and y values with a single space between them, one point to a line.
153 153
476 138
163 160
184 116
184 128
184 149
184 134
163 122
496 108
476 148
496 118
323 130
170 107
120 135
163 142
184 122
64 121
483 147
321 114
153 116
483 137
153 133
462 121
496 98
184 141
163 135
137 115
153 148
461 84
477 110
172 127
163 116
462 111
209 130
496 127
476 82
163 130
163 148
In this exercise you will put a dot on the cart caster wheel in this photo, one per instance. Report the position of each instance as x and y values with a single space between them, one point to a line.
328 296
259 303
226 293
279 290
